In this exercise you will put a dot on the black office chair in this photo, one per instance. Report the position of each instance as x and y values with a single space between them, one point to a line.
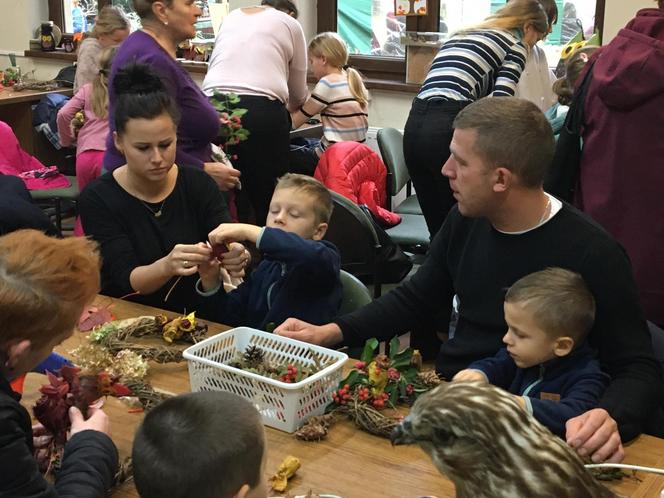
412 234
355 236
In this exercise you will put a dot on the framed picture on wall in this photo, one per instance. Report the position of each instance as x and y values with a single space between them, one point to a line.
410 7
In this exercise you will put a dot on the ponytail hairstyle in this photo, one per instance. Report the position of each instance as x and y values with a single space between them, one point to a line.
285 6
331 46
515 15
140 94
564 87
110 19
100 83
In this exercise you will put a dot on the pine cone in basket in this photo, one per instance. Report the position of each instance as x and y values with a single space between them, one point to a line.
253 357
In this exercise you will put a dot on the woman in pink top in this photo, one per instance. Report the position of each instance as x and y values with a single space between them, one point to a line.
92 101
260 54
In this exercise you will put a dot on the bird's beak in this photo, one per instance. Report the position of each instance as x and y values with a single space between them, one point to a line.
401 433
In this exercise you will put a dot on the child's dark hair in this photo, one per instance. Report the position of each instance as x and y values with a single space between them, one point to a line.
283 5
140 94
323 204
205 444
559 300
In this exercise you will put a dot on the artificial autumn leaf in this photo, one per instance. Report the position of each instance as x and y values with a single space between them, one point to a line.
93 317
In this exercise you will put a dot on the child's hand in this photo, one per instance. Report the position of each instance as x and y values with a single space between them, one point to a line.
97 421
470 376
234 232
235 260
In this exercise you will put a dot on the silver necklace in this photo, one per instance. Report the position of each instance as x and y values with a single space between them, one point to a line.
158 212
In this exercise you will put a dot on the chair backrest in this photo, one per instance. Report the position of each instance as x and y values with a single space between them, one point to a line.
355 293
354 235
390 143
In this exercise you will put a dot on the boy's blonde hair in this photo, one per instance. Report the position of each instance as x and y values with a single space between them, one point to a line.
108 20
559 300
100 83
515 15
44 284
309 185
331 46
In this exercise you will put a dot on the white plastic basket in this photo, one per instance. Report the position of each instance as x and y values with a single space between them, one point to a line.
282 405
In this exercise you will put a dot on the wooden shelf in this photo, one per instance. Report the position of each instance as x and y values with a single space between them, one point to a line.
59 54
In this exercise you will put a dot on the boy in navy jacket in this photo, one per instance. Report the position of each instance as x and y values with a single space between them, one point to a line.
546 362
299 274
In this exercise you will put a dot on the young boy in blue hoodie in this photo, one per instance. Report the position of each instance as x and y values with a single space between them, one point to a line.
299 274
546 362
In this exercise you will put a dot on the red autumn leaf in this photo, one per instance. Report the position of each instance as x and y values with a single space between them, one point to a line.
93 317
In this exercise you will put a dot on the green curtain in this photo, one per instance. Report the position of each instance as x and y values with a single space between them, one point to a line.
354 24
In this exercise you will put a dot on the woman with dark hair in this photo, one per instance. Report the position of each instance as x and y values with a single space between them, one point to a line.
150 216
166 24
476 62
260 54
621 173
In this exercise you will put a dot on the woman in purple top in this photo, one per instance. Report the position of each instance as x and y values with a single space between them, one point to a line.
165 25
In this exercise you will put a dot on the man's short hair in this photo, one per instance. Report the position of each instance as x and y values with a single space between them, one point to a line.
308 184
511 133
205 444
560 302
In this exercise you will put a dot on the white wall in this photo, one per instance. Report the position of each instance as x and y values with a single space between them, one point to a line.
21 18
618 12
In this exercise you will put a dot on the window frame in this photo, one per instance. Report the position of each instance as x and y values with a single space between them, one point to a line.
56 11
391 69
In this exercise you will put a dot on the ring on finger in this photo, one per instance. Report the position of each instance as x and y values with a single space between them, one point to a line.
185 264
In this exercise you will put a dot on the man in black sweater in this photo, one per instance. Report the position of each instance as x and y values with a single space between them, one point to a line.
505 227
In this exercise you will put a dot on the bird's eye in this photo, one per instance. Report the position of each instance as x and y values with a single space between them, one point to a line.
443 437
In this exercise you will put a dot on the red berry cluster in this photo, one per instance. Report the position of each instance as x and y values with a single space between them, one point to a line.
342 396
363 393
379 401
291 374
393 374
360 365
409 389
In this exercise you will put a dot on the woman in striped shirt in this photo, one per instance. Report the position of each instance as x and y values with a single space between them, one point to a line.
340 98
484 60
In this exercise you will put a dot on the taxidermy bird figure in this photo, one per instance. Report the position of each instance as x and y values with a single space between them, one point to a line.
478 436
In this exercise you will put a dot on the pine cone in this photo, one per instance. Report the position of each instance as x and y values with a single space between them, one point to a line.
253 356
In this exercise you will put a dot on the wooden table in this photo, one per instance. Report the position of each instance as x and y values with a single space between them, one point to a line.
16 111
350 463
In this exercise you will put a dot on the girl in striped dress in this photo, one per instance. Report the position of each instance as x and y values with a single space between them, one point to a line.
484 60
340 98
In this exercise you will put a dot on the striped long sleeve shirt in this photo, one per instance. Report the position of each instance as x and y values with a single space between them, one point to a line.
343 118
476 64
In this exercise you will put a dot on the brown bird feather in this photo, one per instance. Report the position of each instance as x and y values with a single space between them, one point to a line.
478 436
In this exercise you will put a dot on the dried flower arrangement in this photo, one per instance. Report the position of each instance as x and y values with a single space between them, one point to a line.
375 383
52 409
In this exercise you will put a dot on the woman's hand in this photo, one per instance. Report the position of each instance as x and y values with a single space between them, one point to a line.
225 175
185 259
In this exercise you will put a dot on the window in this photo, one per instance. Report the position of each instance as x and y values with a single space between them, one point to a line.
79 15
373 32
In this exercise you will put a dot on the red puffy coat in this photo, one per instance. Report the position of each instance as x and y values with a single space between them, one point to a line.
355 171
